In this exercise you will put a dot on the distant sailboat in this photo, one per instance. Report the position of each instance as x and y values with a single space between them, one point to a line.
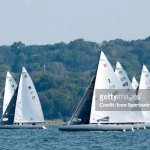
27 98
10 88
145 78
134 83
106 120
9 93
127 85
144 94
24 109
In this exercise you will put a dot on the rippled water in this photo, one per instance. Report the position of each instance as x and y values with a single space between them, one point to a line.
53 139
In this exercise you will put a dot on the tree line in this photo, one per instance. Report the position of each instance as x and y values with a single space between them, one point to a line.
61 72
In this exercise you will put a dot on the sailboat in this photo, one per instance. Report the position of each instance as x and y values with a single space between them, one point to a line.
144 88
23 106
134 83
8 96
106 120
107 80
127 85
10 88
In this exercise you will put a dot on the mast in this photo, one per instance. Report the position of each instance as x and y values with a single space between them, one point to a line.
1 103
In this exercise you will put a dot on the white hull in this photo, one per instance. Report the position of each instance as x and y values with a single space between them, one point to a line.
22 127
105 127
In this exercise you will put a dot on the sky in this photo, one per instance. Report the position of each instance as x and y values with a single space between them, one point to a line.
52 21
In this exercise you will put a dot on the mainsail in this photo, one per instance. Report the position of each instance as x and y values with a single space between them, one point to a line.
144 91
125 81
82 113
122 76
9 100
106 80
10 88
28 108
145 79
8 116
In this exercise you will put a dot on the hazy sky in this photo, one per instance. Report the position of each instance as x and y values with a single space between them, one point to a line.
50 21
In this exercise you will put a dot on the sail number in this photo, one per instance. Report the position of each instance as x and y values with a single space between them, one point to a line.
123 78
105 65
31 92
125 84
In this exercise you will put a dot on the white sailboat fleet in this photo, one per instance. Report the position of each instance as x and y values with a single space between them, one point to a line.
21 108
21 104
109 120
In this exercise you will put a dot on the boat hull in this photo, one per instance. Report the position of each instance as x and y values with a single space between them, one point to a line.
104 127
22 127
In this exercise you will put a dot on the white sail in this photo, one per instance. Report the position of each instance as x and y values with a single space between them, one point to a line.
28 107
122 76
145 78
125 81
144 93
106 79
134 83
10 88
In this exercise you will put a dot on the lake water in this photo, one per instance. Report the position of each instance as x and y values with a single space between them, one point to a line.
53 139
